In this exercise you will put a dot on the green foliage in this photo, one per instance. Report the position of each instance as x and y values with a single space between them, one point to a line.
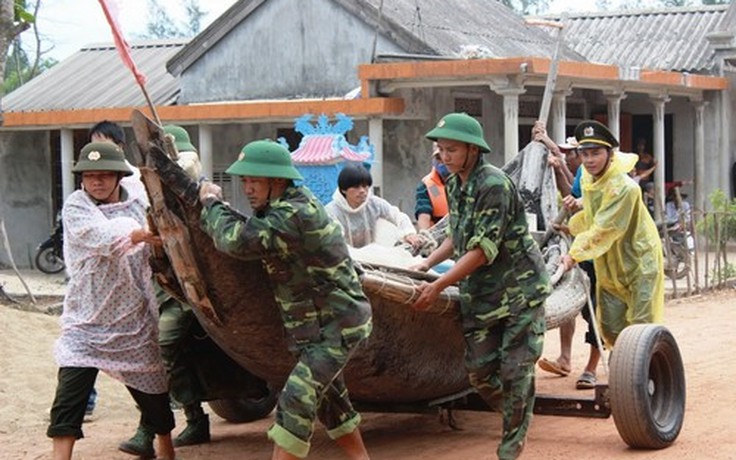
195 15
723 273
22 14
527 7
719 226
19 68
160 24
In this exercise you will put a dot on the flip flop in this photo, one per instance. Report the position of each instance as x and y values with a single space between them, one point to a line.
586 381
553 367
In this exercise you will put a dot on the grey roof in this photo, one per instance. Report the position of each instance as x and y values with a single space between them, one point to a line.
431 27
446 25
661 39
95 77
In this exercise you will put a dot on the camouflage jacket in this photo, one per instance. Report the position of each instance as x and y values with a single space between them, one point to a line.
487 213
303 251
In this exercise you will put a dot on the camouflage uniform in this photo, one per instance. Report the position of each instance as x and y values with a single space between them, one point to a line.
323 308
501 302
175 321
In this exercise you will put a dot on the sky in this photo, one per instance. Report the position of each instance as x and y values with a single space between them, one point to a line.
68 25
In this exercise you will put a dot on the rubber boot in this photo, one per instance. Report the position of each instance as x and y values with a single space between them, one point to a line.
141 444
197 430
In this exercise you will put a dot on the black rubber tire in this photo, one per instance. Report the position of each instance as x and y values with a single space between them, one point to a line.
48 262
647 387
245 410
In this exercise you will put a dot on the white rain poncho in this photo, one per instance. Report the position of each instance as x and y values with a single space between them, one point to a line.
359 224
110 316
615 230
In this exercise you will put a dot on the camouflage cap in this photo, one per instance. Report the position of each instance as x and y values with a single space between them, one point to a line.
264 158
102 156
591 134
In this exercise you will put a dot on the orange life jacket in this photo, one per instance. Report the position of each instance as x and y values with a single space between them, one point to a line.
436 192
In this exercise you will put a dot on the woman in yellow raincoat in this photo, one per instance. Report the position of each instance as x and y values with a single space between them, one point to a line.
617 232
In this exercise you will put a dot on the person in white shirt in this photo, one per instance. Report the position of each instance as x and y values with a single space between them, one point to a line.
357 210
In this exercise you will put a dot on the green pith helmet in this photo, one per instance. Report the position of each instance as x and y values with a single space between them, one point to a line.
459 127
102 156
181 138
264 158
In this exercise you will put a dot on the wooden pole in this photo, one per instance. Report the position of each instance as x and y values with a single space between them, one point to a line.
6 243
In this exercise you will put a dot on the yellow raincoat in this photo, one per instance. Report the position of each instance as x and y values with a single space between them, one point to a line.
616 231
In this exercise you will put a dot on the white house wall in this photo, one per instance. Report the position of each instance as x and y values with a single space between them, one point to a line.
25 193
277 54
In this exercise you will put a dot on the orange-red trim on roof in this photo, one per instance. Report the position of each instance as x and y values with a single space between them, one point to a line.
662 77
211 112
706 82
429 70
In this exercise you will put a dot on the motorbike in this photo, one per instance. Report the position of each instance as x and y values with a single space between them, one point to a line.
679 252
50 253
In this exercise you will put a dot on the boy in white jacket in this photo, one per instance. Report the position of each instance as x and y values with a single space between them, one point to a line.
357 210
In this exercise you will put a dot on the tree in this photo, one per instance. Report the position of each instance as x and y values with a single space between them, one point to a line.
19 67
22 65
14 19
527 7
160 24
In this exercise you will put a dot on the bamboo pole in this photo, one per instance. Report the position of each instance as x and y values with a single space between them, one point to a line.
6 243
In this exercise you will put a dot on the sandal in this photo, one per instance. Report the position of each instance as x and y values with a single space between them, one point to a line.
586 381
553 367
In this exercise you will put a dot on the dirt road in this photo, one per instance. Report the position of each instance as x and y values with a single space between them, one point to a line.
703 327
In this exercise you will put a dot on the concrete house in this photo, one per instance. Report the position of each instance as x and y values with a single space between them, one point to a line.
264 63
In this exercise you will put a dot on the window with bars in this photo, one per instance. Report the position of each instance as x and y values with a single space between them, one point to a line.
225 182
470 105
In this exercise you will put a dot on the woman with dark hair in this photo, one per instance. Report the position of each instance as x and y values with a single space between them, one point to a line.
109 321
357 210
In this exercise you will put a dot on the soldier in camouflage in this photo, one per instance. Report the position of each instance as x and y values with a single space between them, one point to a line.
323 308
501 274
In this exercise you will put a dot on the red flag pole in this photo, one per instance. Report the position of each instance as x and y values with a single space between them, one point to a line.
125 54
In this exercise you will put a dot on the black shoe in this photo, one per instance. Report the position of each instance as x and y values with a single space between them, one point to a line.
197 431
141 444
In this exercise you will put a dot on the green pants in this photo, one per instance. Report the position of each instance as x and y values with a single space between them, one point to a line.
315 389
500 359
174 324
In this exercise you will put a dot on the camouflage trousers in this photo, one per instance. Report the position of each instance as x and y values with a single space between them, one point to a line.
174 324
500 359
316 389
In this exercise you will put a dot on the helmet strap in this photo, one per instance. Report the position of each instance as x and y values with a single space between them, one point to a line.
608 164
117 187
467 157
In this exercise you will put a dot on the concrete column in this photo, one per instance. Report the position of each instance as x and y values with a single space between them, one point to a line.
67 161
614 112
375 135
559 115
699 160
510 121
724 168
659 102
205 150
